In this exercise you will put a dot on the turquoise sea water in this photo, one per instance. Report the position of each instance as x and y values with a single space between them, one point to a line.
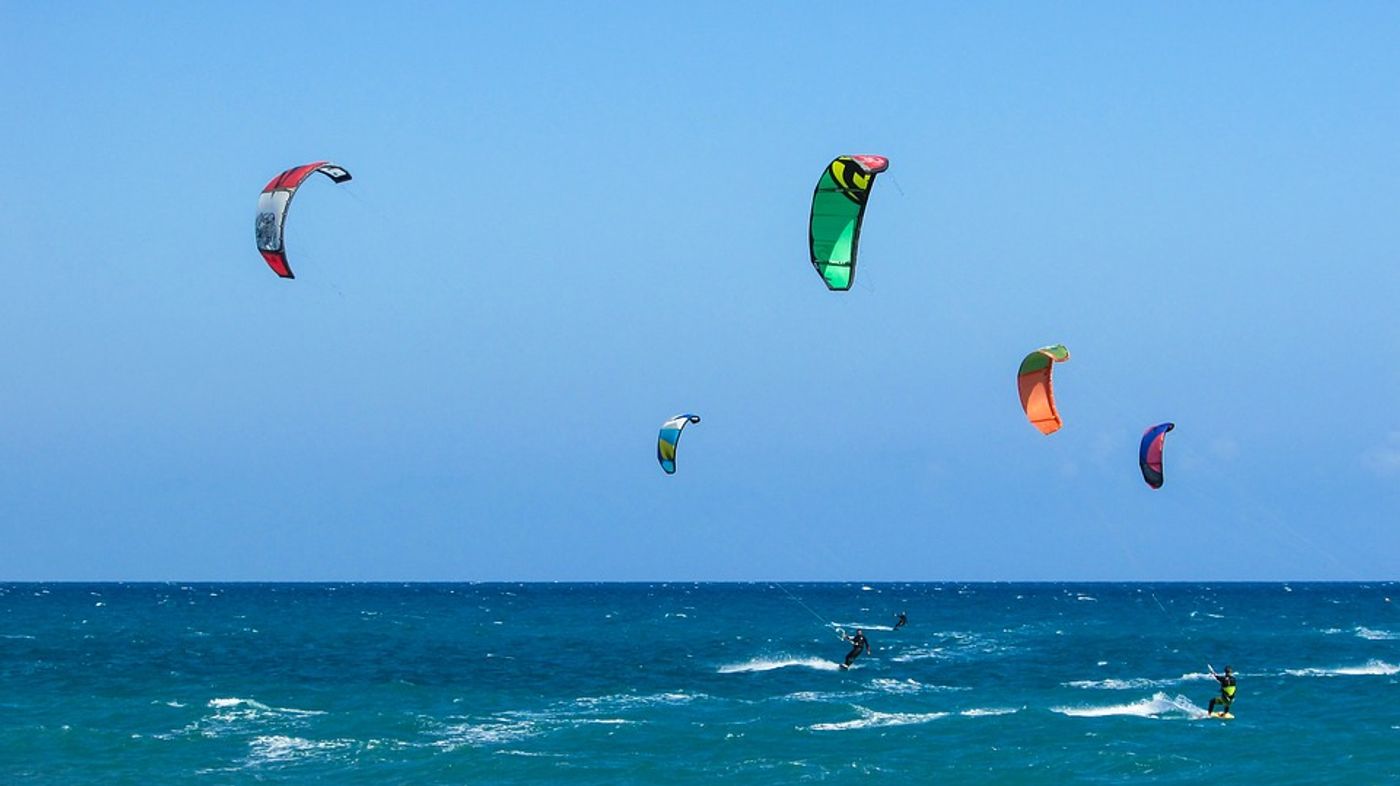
695 683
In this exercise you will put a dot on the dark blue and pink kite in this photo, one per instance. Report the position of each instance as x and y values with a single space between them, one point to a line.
1150 454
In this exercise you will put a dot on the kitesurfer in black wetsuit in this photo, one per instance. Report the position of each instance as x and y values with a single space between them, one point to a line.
858 643
902 621
1227 692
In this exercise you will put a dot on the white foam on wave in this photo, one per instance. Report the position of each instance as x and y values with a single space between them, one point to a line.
770 664
861 625
920 653
985 712
15 636
828 696
220 703
1372 668
251 707
1376 635
275 749
870 719
515 725
964 646
908 685
625 701
237 715
1136 683
530 754
1159 706
491 732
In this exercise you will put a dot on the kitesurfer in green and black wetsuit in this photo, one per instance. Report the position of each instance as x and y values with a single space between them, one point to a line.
858 643
1227 692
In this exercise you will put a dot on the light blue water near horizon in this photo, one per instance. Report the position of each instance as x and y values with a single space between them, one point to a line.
689 683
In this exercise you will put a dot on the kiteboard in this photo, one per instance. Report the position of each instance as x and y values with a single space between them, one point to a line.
1220 715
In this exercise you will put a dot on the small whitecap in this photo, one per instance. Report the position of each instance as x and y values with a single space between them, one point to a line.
770 664
486 733
1135 683
1159 706
871 719
985 712
278 748
1372 668
1375 635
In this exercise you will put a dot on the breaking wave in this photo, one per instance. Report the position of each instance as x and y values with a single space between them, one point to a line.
628 701
1134 683
1373 668
1159 706
984 712
908 685
870 719
861 625
770 664
492 732
276 749
1376 635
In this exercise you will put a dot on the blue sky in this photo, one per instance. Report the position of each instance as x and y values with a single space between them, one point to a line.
570 222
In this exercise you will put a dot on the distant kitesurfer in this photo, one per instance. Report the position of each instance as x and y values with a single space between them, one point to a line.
858 643
1227 692
902 620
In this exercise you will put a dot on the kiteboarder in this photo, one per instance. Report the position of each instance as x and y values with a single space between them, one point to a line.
1227 692
902 620
858 643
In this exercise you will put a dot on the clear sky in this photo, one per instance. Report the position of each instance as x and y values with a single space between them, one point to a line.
570 221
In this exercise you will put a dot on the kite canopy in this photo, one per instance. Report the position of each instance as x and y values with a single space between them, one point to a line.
1037 394
838 206
670 438
276 197
1150 454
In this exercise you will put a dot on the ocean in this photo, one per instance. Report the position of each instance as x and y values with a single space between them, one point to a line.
696 683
